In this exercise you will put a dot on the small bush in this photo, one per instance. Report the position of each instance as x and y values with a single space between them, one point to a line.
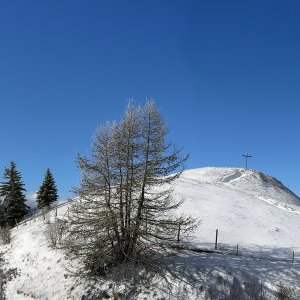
54 232
5 236
5 276
255 290
180 293
285 293
235 290
45 212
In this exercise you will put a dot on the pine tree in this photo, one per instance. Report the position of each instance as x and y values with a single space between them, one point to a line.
13 197
2 215
47 193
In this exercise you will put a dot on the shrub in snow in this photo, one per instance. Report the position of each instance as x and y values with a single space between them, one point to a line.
181 293
285 293
54 232
5 236
5 276
235 290
255 289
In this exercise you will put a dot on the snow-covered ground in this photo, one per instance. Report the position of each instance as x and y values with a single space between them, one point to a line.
42 270
249 208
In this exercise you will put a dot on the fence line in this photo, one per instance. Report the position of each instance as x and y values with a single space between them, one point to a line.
40 212
289 254
265 253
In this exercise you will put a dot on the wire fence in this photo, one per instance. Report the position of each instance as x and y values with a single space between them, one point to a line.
36 213
286 254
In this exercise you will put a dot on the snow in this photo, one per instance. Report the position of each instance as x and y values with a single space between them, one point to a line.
42 269
31 200
246 207
249 208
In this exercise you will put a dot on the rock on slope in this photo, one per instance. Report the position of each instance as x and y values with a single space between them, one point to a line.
248 207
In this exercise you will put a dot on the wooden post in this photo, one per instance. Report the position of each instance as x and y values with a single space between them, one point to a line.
146 223
237 249
55 211
216 242
178 233
293 256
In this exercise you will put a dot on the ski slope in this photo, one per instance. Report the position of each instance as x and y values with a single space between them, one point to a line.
249 208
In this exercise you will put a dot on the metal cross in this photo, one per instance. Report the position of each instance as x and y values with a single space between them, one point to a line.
246 156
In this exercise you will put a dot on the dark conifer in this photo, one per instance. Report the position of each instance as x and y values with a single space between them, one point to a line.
2 215
47 193
12 192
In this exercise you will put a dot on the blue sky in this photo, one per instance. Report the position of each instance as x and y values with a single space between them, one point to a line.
225 75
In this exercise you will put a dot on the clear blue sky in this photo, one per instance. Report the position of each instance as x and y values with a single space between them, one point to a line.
225 74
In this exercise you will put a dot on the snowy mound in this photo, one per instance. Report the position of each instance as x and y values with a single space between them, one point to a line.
248 207
255 183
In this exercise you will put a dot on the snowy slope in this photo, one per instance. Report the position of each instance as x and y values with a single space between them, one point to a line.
42 270
249 208
246 206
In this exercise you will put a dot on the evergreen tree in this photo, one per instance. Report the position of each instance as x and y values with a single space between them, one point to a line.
12 194
2 215
47 193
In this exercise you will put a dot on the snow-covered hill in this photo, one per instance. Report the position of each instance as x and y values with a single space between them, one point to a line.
249 208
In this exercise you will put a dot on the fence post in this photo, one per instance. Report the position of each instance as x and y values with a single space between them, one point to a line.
178 233
146 223
293 256
237 249
216 241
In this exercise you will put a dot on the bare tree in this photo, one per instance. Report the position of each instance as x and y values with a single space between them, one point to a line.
125 211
